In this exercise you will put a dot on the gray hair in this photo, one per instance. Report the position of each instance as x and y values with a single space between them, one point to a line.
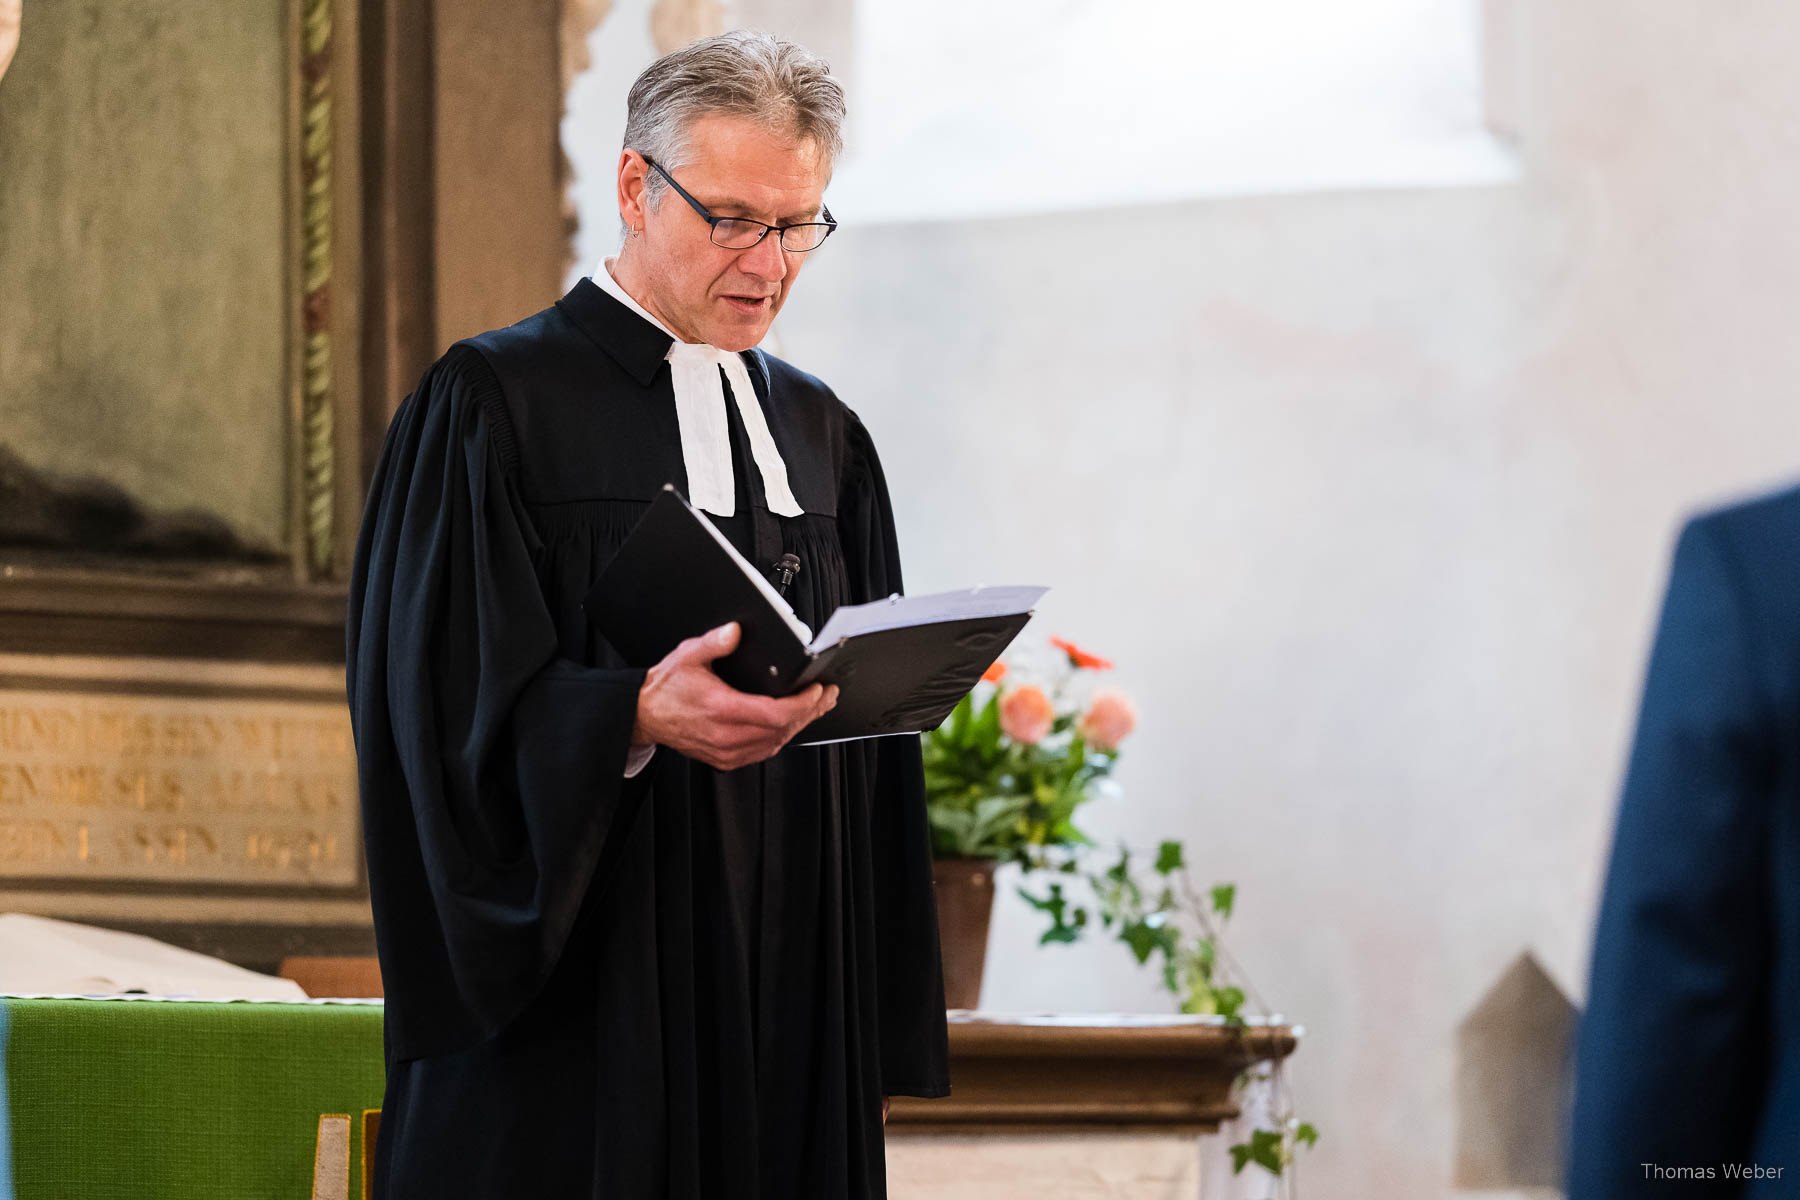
745 73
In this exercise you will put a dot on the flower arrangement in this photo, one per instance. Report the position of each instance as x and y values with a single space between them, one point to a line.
1017 757
1005 775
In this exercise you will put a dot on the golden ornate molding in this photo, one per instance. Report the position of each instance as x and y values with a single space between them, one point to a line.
317 437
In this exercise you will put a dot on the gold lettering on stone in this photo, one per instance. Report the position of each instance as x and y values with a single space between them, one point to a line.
145 787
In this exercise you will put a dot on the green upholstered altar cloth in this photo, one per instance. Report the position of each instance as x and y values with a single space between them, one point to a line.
121 1099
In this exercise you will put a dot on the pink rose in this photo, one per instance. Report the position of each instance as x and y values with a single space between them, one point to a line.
1026 714
1110 716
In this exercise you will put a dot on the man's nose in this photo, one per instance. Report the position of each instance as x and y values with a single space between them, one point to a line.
766 259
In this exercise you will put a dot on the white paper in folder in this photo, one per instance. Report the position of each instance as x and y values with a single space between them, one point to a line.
897 611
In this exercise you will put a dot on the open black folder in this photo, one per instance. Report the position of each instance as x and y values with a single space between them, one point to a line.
900 663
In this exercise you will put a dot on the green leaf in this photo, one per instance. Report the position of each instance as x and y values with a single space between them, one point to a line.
961 717
1223 896
1055 904
1265 1150
1305 1132
939 778
1204 955
984 734
1230 1000
995 813
1052 904
1168 857
1075 758
1067 834
1120 870
1141 938
952 825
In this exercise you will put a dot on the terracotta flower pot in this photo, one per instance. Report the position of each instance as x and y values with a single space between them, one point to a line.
965 902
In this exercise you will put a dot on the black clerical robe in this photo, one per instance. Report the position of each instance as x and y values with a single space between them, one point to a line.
687 984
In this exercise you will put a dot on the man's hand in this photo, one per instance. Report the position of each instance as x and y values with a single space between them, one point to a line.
683 705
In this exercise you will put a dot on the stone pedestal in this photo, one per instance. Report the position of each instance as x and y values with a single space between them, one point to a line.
1081 1107
1043 1166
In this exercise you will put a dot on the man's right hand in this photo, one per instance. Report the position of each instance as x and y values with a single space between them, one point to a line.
685 706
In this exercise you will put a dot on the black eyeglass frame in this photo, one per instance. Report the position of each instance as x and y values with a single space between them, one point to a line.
713 222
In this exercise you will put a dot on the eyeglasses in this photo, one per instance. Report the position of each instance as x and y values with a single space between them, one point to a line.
741 233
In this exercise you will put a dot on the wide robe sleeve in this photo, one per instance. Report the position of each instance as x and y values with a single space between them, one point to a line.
490 767
915 1056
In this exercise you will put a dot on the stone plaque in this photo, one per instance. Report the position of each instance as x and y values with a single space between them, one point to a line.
146 777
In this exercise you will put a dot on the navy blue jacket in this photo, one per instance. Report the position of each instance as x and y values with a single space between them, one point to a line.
1688 1055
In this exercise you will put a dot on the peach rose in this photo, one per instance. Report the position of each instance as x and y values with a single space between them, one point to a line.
1109 717
993 673
1026 714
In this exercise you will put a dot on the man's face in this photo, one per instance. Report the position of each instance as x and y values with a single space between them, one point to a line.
703 292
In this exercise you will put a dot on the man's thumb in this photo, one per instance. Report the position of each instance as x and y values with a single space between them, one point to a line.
716 643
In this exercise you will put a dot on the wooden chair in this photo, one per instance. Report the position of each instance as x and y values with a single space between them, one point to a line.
335 977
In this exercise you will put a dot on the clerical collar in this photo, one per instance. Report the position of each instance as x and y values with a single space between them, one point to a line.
609 285
700 412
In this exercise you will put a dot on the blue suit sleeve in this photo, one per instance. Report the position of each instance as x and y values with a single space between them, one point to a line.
1669 1052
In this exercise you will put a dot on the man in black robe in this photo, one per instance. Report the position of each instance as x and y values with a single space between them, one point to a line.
634 944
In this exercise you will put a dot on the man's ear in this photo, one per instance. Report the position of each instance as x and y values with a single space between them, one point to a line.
633 176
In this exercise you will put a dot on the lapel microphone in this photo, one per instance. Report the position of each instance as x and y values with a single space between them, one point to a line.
786 567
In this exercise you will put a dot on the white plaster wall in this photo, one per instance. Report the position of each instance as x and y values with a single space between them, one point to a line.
972 110
1370 496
